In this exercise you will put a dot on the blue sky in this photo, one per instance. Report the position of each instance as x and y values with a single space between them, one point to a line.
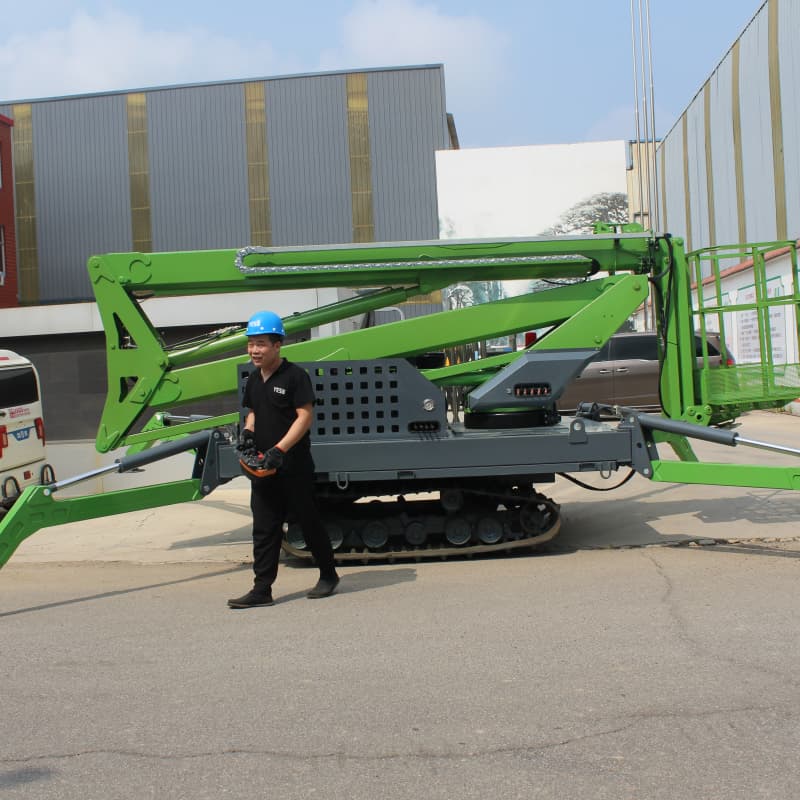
517 72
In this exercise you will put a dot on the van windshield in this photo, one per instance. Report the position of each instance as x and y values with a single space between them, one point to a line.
17 387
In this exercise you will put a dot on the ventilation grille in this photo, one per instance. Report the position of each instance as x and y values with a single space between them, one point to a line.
374 399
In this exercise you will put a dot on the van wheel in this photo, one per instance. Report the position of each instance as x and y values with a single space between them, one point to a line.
11 491
47 475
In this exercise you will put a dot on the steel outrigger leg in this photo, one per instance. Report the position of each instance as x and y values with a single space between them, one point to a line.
36 507
710 473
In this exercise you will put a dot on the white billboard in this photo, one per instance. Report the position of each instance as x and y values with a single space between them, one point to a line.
498 192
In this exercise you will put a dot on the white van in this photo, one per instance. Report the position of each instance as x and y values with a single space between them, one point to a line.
23 461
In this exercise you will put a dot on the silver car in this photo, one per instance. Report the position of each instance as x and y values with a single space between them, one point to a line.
625 372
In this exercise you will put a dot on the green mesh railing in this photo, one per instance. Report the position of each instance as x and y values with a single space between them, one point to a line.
745 303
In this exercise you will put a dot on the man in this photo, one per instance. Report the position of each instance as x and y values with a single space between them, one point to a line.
275 443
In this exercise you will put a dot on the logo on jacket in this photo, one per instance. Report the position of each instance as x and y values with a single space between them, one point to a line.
279 389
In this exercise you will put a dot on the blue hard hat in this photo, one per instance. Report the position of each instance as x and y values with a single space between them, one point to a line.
263 323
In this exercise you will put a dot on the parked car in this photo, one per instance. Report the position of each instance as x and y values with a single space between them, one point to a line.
625 372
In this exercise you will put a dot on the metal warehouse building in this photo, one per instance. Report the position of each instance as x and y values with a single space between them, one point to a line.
729 169
310 159
729 172
307 159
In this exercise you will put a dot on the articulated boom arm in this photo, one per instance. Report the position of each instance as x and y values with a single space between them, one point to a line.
144 375
484 469
599 281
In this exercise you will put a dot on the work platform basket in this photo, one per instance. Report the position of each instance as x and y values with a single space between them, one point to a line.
745 303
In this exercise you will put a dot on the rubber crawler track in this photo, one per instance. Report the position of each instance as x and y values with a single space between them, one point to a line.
364 556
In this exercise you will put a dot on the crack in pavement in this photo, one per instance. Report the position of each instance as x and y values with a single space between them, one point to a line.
668 602
145 520
632 720
697 645
335 754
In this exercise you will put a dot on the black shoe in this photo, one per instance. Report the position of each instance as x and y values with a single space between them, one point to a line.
251 600
324 587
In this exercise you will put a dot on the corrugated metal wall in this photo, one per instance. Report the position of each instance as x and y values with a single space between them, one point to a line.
723 172
405 199
82 198
309 171
198 168
789 48
732 157
98 185
757 166
673 210
696 169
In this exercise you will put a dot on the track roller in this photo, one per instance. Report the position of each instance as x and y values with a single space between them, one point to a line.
384 530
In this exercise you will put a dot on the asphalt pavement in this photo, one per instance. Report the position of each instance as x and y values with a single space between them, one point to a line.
633 659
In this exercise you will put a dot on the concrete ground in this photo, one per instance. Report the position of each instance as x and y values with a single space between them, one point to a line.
604 668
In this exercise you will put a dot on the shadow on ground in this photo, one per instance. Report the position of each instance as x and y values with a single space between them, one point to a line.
119 592
18 777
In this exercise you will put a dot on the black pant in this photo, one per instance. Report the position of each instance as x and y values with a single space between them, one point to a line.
271 501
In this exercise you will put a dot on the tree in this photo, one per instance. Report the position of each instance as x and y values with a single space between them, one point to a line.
602 207
459 296
580 219
486 291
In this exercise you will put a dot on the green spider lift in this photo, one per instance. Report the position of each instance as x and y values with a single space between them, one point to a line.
476 479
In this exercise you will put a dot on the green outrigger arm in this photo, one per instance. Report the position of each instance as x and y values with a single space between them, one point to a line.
707 473
37 506
710 473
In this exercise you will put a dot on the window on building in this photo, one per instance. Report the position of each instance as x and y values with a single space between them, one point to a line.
2 255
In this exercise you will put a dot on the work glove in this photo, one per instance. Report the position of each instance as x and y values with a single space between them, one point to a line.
274 458
261 465
247 442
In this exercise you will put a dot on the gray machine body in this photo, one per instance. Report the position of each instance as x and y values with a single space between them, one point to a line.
533 380
382 421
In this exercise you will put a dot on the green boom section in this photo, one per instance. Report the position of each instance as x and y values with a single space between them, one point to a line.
583 316
389 264
586 315
607 276
594 310
37 508
144 375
